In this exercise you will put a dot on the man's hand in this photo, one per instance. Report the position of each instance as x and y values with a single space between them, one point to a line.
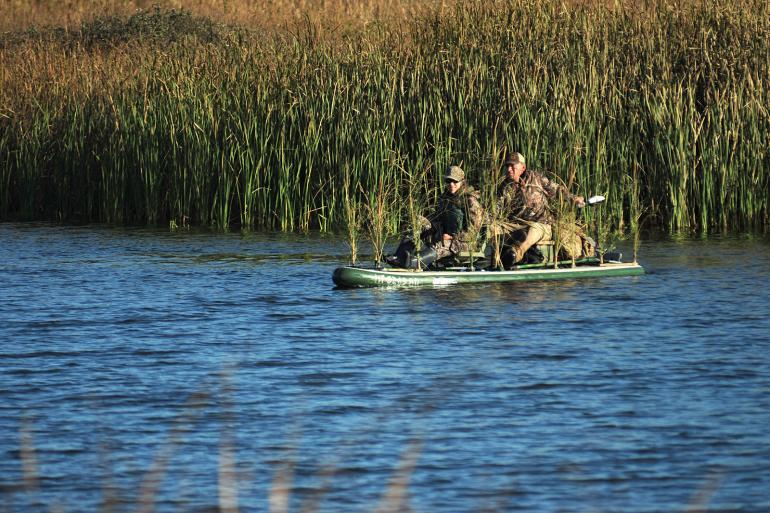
580 201
446 236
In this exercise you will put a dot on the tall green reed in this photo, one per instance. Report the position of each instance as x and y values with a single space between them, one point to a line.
353 212
377 208
417 204
230 128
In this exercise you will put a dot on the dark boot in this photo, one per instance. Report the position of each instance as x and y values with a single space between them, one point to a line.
403 255
507 257
424 260
511 256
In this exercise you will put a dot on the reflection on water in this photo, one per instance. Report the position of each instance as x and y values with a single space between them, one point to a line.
218 365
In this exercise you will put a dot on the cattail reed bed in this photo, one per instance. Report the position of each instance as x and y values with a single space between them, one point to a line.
164 116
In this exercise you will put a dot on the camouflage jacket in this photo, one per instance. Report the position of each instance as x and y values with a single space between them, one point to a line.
460 215
529 200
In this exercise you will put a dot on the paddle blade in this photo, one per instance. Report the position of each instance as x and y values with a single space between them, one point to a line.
595 200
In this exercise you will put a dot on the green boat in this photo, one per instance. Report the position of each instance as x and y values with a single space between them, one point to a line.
355 277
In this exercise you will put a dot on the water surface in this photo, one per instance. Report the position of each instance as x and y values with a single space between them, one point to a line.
136 364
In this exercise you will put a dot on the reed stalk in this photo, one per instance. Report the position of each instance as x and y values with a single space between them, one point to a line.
352 214
416 206
377 208
635 213
496 215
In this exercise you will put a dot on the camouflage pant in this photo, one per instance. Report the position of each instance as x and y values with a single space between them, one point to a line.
572 242
443 248
447 248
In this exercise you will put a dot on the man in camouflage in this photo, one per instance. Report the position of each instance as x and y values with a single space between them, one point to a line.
451 229
525 197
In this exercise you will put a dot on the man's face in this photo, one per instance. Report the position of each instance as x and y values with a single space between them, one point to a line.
514 171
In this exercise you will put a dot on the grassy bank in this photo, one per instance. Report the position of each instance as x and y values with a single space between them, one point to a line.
168 116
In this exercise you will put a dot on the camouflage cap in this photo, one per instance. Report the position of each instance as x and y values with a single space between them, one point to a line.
454 173
514 158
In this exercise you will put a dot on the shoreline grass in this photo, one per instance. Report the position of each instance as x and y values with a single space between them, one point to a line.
168 117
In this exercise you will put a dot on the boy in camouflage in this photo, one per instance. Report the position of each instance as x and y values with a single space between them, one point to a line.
452 227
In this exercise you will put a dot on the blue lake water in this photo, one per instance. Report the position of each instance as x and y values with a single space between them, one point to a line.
197 371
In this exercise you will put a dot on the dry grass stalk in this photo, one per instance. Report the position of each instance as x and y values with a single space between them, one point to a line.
699 503
395 498
154 477
566 224
313 503
280 491
110 496
29 464
227 473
